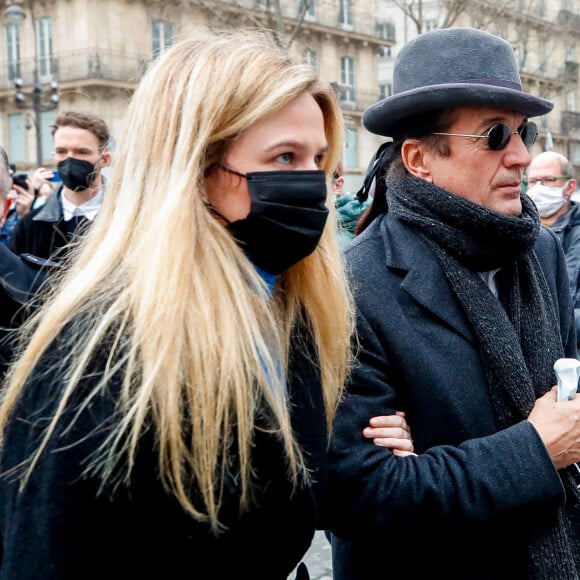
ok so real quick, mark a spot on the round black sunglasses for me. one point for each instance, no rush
(499, 135)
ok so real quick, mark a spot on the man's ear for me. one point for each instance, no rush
(415, 154)
(572, 184)
(339, 185)
(106, 157)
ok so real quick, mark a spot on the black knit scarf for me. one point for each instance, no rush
(518, 338)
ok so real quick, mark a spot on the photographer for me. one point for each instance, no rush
(18, 203)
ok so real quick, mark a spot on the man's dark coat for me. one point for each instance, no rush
(20, 280)
(463, 507)
(43, 232)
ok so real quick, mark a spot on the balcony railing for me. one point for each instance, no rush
(569, 121)
(561, 77)
(78, 65)
(571, 71)
(106, 67)
(569, 20)
(362, 20)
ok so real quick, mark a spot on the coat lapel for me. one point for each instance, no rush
(422, 277)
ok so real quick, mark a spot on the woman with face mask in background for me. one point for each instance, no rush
(171, 407)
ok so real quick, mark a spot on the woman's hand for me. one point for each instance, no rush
(391, 431)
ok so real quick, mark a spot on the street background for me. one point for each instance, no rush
(318, 559)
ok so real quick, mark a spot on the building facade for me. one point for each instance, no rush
(544, 35)
(87, 55)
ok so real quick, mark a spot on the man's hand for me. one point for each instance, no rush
(558, 424)
(24, 200)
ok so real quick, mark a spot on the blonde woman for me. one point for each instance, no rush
(169, 414)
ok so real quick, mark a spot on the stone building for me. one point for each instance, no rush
(544, 35)
(89, 54)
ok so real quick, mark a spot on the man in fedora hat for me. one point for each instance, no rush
(463, 308)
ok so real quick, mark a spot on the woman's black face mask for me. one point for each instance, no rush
(287, 217)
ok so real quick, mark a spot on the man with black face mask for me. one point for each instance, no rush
(80, 151)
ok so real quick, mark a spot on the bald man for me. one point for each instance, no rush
(550, 184)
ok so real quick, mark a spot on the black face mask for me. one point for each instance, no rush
(76, 174)
(286, 219)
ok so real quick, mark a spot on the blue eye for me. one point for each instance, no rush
(285, 158)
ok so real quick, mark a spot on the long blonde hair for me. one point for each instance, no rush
(164, 285)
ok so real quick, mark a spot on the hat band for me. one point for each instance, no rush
(491, 82)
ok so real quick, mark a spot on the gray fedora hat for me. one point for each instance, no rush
(452, 67)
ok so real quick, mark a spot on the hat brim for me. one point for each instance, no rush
(382, 117)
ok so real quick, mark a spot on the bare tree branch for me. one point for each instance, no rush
(305, 7)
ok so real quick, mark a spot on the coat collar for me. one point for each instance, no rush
(51, 211)
(422, 275)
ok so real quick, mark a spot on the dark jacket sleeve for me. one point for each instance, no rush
(569, 234)
(554, 264)
(18, 242)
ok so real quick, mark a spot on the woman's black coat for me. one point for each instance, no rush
(61, 527)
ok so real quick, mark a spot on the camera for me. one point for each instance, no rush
(20, 179)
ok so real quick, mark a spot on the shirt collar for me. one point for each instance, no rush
(489, 278)
(88, 209)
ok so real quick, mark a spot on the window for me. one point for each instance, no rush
(349, 150)
(387, 52)
(17, 130)
(22, 132)
(44, 36)
(310, 6)
(522, 53)
(162, 35)
(385, 30)
(543, 55)
(385, 90)
(541, 8)
(575, 153)
(311, 58)
(571, 52)
(47, 119)
(345, 14)
(571, 101)
(13, 51)
(429, 24)
(347, 79)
